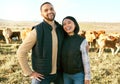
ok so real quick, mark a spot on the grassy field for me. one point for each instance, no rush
(104, 69)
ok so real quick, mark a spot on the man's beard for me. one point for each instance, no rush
(50, 18)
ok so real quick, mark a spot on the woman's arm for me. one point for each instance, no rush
(84, 47)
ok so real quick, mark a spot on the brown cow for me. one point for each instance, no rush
(16, 34)
(82, 33)
(11, 35)
(7, 32)
(91, 37)
(108, 41)
(2, 38)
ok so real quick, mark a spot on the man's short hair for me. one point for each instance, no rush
(44, 4)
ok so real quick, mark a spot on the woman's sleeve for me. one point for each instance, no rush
(84, 47)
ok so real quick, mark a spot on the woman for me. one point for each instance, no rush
(75, 59)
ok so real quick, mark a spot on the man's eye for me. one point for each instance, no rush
(46, 10)
(51, 9)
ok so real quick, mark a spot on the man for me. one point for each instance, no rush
(45, 40)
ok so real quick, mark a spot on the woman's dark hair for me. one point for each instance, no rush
(75, 22)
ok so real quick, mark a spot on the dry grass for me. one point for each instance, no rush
(10, 71)
(104, 69)
(108, 27)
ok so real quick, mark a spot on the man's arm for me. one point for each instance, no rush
(23, 50)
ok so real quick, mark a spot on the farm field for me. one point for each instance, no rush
(104, 69)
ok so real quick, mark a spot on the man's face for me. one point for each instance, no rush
(48, 13)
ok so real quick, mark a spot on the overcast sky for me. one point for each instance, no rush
(82, 10)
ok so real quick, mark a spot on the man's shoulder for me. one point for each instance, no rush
(57, 23)
(37, 25)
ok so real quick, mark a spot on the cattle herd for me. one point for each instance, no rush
(99, 40)
(7, 35)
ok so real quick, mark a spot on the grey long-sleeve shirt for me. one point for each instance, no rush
(85, 58)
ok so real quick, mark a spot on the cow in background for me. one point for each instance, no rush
(111, 42)
(24, 33)
(2, 38)
(16, 36)
(7, 33)
(11, 35)
(91, 36)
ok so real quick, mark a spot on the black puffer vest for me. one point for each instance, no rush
(42, 50)
(71, 55)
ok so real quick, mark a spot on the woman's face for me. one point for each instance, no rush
(68, 26)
